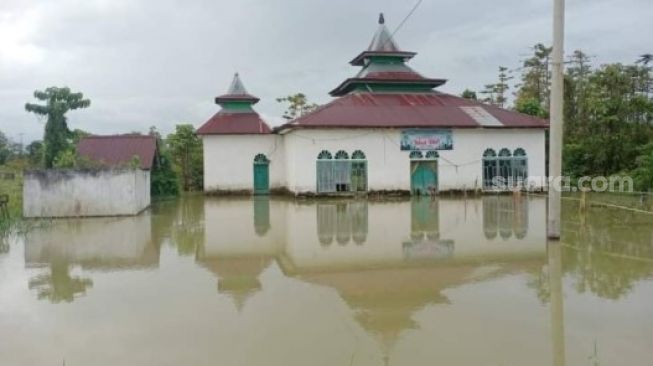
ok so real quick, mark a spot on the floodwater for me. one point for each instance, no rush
(205, 281)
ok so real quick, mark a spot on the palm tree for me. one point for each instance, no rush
(645, 59)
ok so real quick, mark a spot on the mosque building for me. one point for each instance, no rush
(388, 129)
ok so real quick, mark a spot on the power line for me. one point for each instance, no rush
(410, 13)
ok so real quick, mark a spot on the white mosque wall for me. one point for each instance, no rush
(229, 161)
(388, 167)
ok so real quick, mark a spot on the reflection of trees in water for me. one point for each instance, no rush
(344, 221)
(604, 251)
(609, 252)
(505, 216)
(181, 221)
(424, 219)
(59, 285)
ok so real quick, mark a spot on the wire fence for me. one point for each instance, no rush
(634, 201)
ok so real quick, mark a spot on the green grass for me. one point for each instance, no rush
(13, 188)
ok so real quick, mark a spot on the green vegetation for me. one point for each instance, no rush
(608, 112)
(163, 179)
(185, 149)
(11, 184)
(58, 139)
(298, 105)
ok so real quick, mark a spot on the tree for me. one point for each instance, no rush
(35, 153)
(497, 92)
(5, 148)
(575, 95)
(645, 59)
(185, 149)
(536, 77)
(298, 105)
(163, 180)
(58, 101)
(469, 94)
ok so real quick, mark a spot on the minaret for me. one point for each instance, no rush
(237, 99)
(236, 116)
(384, 68)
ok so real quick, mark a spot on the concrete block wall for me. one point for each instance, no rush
(79, 193)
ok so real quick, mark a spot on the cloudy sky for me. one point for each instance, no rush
(161, 62)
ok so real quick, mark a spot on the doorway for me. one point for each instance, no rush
(261, 175)
(424, 177)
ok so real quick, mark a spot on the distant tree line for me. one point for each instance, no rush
(608, 112)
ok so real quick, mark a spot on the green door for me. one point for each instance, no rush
(424, 177)
(358, 176)
(261, 178)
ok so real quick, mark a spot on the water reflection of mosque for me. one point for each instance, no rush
(385, 260)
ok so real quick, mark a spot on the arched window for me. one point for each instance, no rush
(358, 155)
(432, 155)
(341, 174)
(415, 155)
(505, 168)
(261, 159)
(342, 171)
(324, 155)
(519, 167)
(342, 155)
(490, 168)
(324, 173)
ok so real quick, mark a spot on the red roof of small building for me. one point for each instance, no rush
(408, 110)
(228, 123)
(119, 149)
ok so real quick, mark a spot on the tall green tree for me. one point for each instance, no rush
(185, 149)
(496, 93)
(298, 105)
(535, 79)
(57, 102)
(163, 179)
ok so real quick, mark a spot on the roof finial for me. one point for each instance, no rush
(381, 19)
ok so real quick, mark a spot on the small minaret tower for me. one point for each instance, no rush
(237, 115)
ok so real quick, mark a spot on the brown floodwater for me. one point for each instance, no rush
(207, 281)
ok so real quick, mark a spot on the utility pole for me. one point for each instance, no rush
(556, 120)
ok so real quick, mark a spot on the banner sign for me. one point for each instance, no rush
(432, 139)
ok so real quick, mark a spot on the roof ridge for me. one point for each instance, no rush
(117, 136)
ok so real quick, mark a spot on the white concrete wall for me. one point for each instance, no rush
(229, 161)
(389, 167)
(73, 193)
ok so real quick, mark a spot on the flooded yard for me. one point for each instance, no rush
(207, 281)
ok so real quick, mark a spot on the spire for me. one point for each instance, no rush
(236, 87)
(382, 41)
(384, 68)
(236, 95)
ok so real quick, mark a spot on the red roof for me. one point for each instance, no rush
(119, 149)
(232, 123)
(405, 110)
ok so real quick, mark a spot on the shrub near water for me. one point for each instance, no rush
(14, 189)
